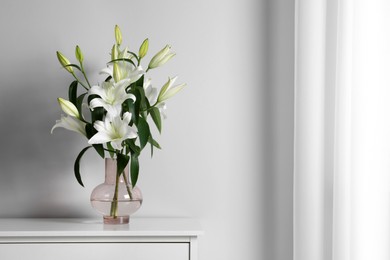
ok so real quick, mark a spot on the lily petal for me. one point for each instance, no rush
(100, 138)
(70, 123)
(114, 130)
(127, 117)
(117, 144)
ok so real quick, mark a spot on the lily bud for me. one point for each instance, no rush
(114, 52)
(118, 35)
(168, 90)
(143, 49)
(64, 62)
(68, 107)
(161, 57)
(117, 72)
(79, 54)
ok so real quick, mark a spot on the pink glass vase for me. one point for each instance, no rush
(116, 199)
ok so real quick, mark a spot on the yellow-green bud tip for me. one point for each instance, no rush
(64, 62)
(118, 35)
(143, 50)
(79, 54)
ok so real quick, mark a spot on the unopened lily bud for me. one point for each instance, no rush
(143, 49)
(168, 90)
(161, 57)
(68, 107)
(117, 72)
(79, 54)
(64, 62)
(118, 35)
(114, 52)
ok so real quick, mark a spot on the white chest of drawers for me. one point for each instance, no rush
(74, 239)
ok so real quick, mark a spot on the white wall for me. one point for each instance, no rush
(227, 142)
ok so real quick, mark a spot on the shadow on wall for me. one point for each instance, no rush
(30, 154)
(278, 128)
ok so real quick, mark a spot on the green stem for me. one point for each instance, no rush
(150, 108)
(127, 186)
(114, 203)
(110, 151)
(81, 83)
(85, 76)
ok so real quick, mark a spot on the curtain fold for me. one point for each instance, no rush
(309, 203)
(341, 220)
(342, 130)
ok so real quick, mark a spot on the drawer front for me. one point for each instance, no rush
(96, 251)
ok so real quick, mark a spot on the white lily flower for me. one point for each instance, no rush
(68, 107)
(168, 90)
(115, 131)
(162, 107)
(112, 95)
(150, 92)
(70, 123)
(123, 69)
(126, 70)
(151, 95)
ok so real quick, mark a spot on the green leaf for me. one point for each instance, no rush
(134, 110)
(99, 149)
(136, 107)
(156, 116)
(143, 104)
(153, 143)
(132, 53)
(73, 92)
(143, 132)
(151, 149)
(98, 112)
(122, 161)
(73, 65)
(133, 147)
(77, 165)
(140, 82)
(128, 106)
(123, 59)
(91, 131)
(109, 146)
(79, 103)
(134, 169)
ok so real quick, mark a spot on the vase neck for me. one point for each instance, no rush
(111, 168)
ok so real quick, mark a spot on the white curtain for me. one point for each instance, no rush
(342, 130)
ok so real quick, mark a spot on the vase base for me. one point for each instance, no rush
(116, 220)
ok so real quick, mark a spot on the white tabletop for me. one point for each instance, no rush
(76, 227)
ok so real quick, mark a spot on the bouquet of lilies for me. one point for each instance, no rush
(119, 107)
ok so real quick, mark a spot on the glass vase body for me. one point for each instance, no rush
(116, 199)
